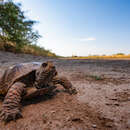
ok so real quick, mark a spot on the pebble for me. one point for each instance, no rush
(94, 126)
(117, 104)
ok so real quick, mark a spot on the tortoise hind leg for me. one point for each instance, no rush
(11, 106)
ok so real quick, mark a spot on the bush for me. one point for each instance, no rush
(15, 27)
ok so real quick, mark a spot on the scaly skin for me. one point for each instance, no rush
(33, 92)
(11, 105)
(11, 108)
(62, 80)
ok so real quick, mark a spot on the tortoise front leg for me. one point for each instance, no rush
(62, 80)
(11, 105)
(34, 92)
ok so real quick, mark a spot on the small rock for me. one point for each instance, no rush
(53, 112)
(128, 124)
(116, 104)
(94, 126)
(113, 99)
(76, 119)
(108, 104)
(44, 119)
(109, 124)
(128, 98)
(67, 109)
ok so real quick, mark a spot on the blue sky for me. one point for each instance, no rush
(81, 27)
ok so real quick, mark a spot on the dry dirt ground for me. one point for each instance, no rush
(102, 102)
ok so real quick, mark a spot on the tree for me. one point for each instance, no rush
(15, 26)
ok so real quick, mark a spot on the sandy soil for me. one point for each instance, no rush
(102, 102)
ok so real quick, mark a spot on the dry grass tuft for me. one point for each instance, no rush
(114, 56)
(34, 49)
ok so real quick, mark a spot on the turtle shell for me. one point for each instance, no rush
(16, 73)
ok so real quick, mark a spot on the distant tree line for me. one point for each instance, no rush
(14, 26)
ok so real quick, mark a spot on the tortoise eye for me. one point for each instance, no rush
(44, 64)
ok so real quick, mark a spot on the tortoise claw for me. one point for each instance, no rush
(72, 91)
(7, 116)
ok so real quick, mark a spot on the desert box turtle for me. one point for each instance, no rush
(17, 80)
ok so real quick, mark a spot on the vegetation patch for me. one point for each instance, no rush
(33, 49)
(114, 56)
(16, 31)
(94, 77)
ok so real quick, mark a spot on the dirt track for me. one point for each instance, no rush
(102, 102)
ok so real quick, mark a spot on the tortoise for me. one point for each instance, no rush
(26, 80)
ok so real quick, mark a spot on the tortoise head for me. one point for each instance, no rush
(44, 74)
